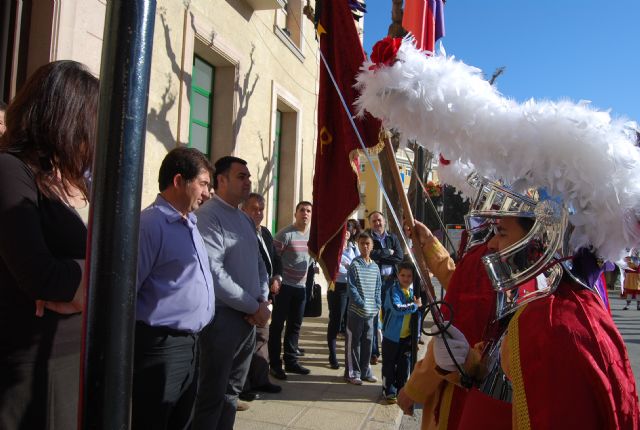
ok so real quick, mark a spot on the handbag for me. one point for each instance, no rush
(313, 305)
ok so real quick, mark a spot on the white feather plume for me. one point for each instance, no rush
(455, 174)
(574, 151)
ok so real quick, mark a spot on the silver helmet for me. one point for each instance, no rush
(536, 256)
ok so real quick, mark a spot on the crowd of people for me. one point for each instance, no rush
(215, 291)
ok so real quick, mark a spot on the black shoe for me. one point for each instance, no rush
(248, 396)
(296, 368)
(300, 352)
(278, 373)
(333, 362)
(269, 387)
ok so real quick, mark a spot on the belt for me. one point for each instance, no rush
(159, 330)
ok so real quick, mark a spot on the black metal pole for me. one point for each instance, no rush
(416, 318)
(117, 184)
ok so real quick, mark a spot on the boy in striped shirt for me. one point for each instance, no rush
(364, 285)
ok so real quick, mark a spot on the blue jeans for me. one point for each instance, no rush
(396, 362)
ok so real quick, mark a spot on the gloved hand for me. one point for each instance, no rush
(458, 345)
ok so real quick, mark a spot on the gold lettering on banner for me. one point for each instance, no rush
(320, 30)
(325, 138)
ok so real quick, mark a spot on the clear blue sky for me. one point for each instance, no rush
(552, 49)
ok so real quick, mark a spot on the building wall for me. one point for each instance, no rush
(265, 60)
(371, 196)
(257, 73)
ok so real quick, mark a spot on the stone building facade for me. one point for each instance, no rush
(230, 77)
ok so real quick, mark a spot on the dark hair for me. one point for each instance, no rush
(257, 197)
(406, 265)
(364, 235)
(526, 223)
(3, 106)
(353, 225)
(303, 203)
(183, 161)
(223, 165)
(52, 125)
(373, 213)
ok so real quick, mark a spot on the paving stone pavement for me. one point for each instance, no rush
(321, 400)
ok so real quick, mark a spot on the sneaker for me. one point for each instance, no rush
(626, 308)
(278, 373)
(371, 379)
(354, 381)
(242, 406)
(296, 368)
(391, 399)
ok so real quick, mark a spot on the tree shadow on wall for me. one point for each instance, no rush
(244, 95)
(265, 179)
(157, 123)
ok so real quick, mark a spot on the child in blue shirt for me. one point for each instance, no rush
(399, 304)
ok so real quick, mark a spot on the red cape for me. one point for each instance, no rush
(569, 365)
(473, 301)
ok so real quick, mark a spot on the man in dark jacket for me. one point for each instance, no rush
(258, 378)
(387, 253)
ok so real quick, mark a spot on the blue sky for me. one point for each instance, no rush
(562, 49)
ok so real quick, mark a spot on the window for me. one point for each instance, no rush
(293, 27)
(288, 26)
(201, 105)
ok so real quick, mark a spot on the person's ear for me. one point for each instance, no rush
(177, 180)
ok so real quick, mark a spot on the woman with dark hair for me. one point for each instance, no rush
(337, 297)
(354, 228)
(44, 155)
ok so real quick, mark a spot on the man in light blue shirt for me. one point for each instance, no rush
(240, 281)
(175, 295)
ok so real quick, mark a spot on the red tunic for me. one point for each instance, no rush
(473, 300)
(569, 365)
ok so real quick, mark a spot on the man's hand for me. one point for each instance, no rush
(417, 301)
(405, 402)
(261, 317)
(276, 283)
(424, 235)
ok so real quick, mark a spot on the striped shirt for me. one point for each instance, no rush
(291, 246)
(364, 284)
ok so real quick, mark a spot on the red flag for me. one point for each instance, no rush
(425, 20)
(335, 182)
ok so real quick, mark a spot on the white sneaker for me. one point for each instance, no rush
(371, 379)
(354, 381)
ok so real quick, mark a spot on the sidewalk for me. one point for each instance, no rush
(321, 400)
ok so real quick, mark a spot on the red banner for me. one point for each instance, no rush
(335, 181)
(425, 20)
